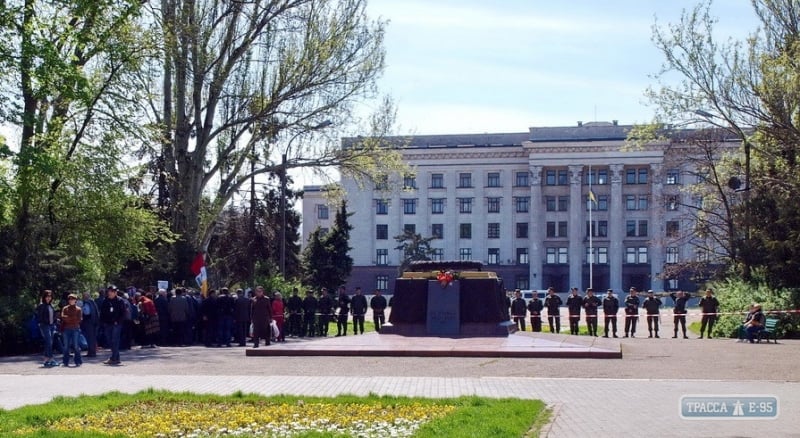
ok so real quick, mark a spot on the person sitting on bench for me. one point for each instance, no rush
(756, 323)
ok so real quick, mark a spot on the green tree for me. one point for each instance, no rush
(316, 261)
(326, 262)
(414, 247)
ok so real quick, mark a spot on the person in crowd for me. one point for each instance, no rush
(210, 316)
(507, 306)
(574, 305)
(241, 317)
(226, 307)
(278, 316)
(610, 309)
(535, 306)
(148, 319)
(71, 316)
(179, 318)
(194, 321)
(89, 323)
(112, 316)
(756, 323)
(162, 308)
(294, 307)
(310, 314)
(358, 307)
(679, 312)
(651, 305)
(553, 302)
(325, 311)
(262, 317)
(590, 304)
(710, 306)
(519, 310)
(631, 312)
(378, 306)
(47, 317)
(343, 304)
(128, 327)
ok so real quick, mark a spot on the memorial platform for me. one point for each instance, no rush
(520, 345)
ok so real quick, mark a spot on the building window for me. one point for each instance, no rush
(381, 182)
(598, 228)
(550, 177)
(381, 206)
(562, 256)
(630, 176)
(437, 255)
(522, 256)
(630, 202)
(437, 205)
(557, 229)
(493, 230)
(522, 203)
(493, 205)
(636, 255)
(382, 232)
(701, 255)
(381, 257)
(465, 231)
(672, 254)
(550, 257)
(437, 181)
(673, 177)
(464, 180)
(522, 282)
(597, 255)
(465, 254)
(643, 202)
(521, 179)
(322, 211)
(409, 206)
(672, 284)
(634, 229)
(563, 203)
(382, 283)
(437, 231)
(642, 176)
(522, 230)
(494, 256)
(672, 203)
(602, 203)
(642, 228)
(556, 256)
(596, 177)
(493, 179)
(550, 203)
(465, 205)
(551, 229)
(673, 228)
(410, 228)
(563, 177)
(409, 182)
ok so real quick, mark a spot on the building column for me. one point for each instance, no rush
(575, 231)
(535, 229)
(657, 210)
(616, 228)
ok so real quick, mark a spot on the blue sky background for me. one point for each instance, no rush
(471, 66)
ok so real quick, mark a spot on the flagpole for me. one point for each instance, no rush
(591, 229)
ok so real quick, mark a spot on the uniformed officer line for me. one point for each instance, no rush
(652, 314)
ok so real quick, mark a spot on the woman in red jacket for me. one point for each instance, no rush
(277, 315)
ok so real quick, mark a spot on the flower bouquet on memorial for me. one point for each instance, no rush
(446, 277)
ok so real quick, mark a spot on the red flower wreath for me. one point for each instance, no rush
(444, 278)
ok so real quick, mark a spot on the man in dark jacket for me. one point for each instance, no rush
(325, 307)
(553, 302)
(358, 307)
(651, 305)
(631, 312)
(519, 308)
(241, 317)
(535, 306)
(162, 308)
(226, 306)
(378, 306)
(309, 314)
(710, 306)
(90, 323)
(209, 314)
(679, 312)
(610, 309)
(574, 305)
(112, 316)
(294, 305)
(591, 303)
(261, 315)
(343, 304)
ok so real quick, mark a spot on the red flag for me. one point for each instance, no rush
(198, 263)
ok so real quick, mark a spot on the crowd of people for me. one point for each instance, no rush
(117, 320)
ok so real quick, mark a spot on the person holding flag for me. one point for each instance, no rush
(199, 271)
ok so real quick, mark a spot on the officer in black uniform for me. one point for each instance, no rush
(343, 303)
(518, 310)
(553, 302)
(295, 307)
(309, 314)
(651, 305)
(610, 309)
(679, 312)
(574, 305)
(591, 303)
(324, 312)
(710, 306)
(358, 307)
(378, 306)
(535, 306)
(631, 312)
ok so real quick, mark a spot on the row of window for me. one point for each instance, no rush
(552, 177)
(633, 228)
(553, 255)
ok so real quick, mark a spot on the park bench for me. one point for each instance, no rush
(770, 329)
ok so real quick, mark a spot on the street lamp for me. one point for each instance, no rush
(282, 260)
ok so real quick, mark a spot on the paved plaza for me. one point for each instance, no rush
(634, 396)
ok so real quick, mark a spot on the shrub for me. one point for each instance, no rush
(736, 296)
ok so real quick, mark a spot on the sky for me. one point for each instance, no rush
(476, 66)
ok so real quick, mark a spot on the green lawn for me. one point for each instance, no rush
(157, 413)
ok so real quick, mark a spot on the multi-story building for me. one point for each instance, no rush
(521, 204)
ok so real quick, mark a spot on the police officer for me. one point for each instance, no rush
(295, 307)
(378, 306)
(710, 306)
(518, 310)
(324, 311)
(631, 312)
(343, 303)
(610, 309)
(591, 303)
(574, 305)
(651, 305)
(679, 312)
(535, 306)
(358, 307)
(309, 314)
(553, 302)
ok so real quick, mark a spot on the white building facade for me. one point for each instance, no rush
(521, 204)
